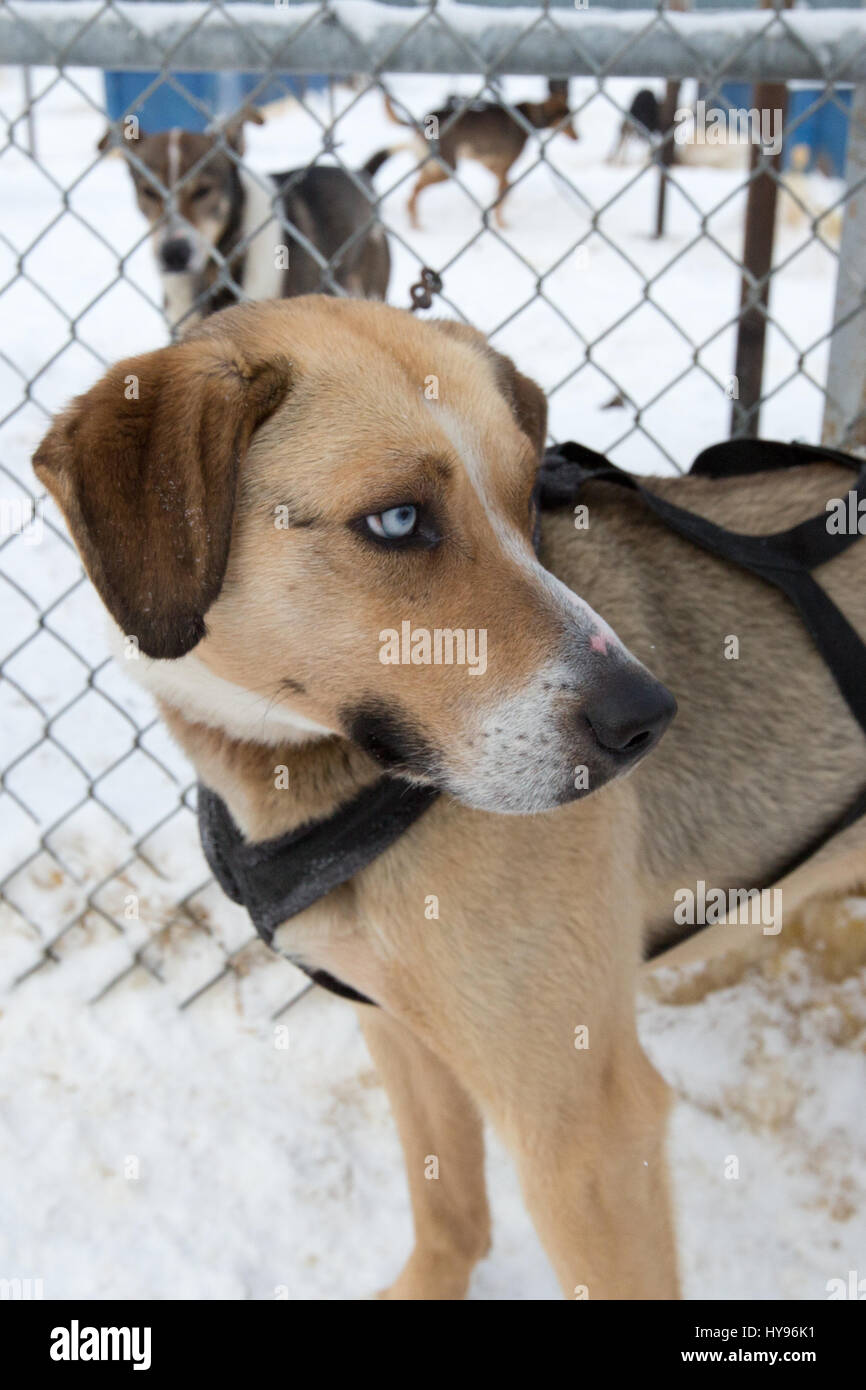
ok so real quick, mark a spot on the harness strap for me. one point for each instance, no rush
(276, 879)
(784, 558)
(734, 458)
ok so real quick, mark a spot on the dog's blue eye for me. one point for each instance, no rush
(395, 524)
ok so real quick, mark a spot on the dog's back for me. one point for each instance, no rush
(332, 212)
(487, 130)
(483, 131)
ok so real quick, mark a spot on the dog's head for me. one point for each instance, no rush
(186, 184)
(328, 504)
(554, 110)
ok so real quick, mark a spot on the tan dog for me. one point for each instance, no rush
(483, 131)
(265, 642)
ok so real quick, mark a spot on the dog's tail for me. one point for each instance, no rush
(375, 162)
(392, 114)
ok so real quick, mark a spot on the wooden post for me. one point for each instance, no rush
(667, 149)
(757, 264)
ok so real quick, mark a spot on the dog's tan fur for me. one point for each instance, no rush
(319, 405)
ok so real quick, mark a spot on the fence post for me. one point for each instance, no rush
(845, 402)
(667, 149)
(757, 263)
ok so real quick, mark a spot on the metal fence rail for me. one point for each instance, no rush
(343, 37)
(98, 842)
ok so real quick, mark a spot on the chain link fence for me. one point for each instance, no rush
(706, 277)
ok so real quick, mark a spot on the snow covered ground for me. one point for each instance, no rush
(152, 1152)
(157, 1154)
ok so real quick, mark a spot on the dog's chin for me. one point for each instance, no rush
(537, 791)
(189, 272)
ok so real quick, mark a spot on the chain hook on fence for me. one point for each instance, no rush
(423, 290)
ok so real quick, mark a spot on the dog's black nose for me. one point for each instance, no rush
(630, 713)
(176, 254)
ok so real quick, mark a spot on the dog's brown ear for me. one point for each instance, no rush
(233, 130)
(111, 140)
(145, 468)
(526, 398)
(116, 138)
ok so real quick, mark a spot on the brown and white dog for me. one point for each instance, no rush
(262, 644)
(484, 131)
(262, 226)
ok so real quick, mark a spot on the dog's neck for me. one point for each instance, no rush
(272, 789)
(542, 114)
(274, 767)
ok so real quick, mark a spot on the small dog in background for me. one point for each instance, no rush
(216, 205)
(642, 121)
(809, 199)
(483, 131)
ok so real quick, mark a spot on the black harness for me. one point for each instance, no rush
(276, 879)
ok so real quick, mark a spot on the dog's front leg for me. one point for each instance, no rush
(538, 1023)
(592, 1164)
(441, 1133)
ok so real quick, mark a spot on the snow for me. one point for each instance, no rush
(156, 1154)
(149, 1151)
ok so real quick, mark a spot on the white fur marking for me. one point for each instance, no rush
(201, 695)
(262, 278)
(515, 545)
(506, 768)
(178, 297)
(173, 157)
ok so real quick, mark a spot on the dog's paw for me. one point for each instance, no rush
(429, 1278)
